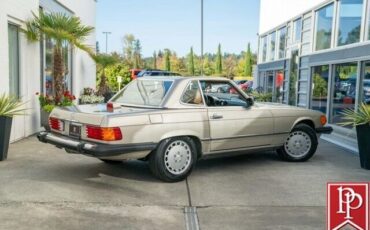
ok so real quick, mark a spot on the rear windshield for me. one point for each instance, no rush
(144, 92)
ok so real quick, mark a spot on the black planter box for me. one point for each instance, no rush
(363, 139)
(5, 127)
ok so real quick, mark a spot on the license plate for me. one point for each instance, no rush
(75, 130)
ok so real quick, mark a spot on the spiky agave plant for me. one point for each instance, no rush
(10, 106)
(61, 28)
(354, 118)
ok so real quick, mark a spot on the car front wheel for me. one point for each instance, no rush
(300, 145)
(173, 159)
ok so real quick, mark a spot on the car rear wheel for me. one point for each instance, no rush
(300, 145)
(174, 159)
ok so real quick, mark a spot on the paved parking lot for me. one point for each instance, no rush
(45, 188)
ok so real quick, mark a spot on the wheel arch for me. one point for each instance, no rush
(186, 133)
(304, 120)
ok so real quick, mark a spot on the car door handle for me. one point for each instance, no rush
(217, 116)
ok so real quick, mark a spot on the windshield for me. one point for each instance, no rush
(144, 93)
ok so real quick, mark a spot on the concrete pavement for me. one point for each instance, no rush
(43, 187)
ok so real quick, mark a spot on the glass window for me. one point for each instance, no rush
(297, 31)
(320, 83)
(324, 26)
(192, 94)
(350, 14)
(366, 84)
(269, 81)
(279, 84)
(344, 95)
(272, 46)
(264, 48)
(282, 42)
(293, 78)
(13, 36)
(144, 92)
(49, 63)
(218, 93)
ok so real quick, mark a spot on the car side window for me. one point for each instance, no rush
(192, 94)
(221, 93)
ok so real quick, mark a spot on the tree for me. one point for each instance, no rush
(191, 67)
(61, 28)
(137, 54)
(154, 60)
(128, 47)
(207, 67)
(248, 62)
(230, 65)
(167, 61)
(219, 60)
(103, 61)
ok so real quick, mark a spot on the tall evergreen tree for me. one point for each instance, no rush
(248, 62)
(167, 61)
(137, 54)
(219, 60)
(191, 67)
(154, 60)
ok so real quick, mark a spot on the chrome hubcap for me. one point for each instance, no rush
(298, 144)
(177, 157)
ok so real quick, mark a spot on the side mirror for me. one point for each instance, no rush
(249, 101)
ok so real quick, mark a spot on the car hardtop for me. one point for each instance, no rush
(181, 78)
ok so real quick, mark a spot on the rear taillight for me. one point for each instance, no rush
(56, 124)
(110, 107)
(104, 134)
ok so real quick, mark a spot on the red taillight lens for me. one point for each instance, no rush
(104, 134)
(56, 124)
(110, 107)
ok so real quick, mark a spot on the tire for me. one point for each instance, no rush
(301, 144)
(173, 159)
(111, 162)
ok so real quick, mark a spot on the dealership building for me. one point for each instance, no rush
(316, 54)
(26, 68)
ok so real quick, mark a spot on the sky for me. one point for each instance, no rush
(175, 24)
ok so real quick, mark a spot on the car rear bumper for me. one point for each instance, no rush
(324, 130)
(93, 149)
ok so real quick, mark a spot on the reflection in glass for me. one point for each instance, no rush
(272, 45)
(320, 83)
(293, 77)
(324, 25)
(344, 95)
(279, 84)
(264, 48)
(270, 81)
(282, 42)
(366, 84)
(13, 38)
(297, 30)
(350, 14)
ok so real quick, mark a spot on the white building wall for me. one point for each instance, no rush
(276, 12)
(17, 12)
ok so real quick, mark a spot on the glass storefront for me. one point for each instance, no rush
(279, 86)
(264, 48)
(324, 26)
(293, 78)
(344, 91)
(350, 15)
(320, 88)
(366, 84)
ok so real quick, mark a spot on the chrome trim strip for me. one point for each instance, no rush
(242, 136)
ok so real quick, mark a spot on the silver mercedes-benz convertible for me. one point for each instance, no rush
(173, 121)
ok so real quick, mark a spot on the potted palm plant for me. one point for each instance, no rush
(9, 107)
(61, 28)
(361, 120)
